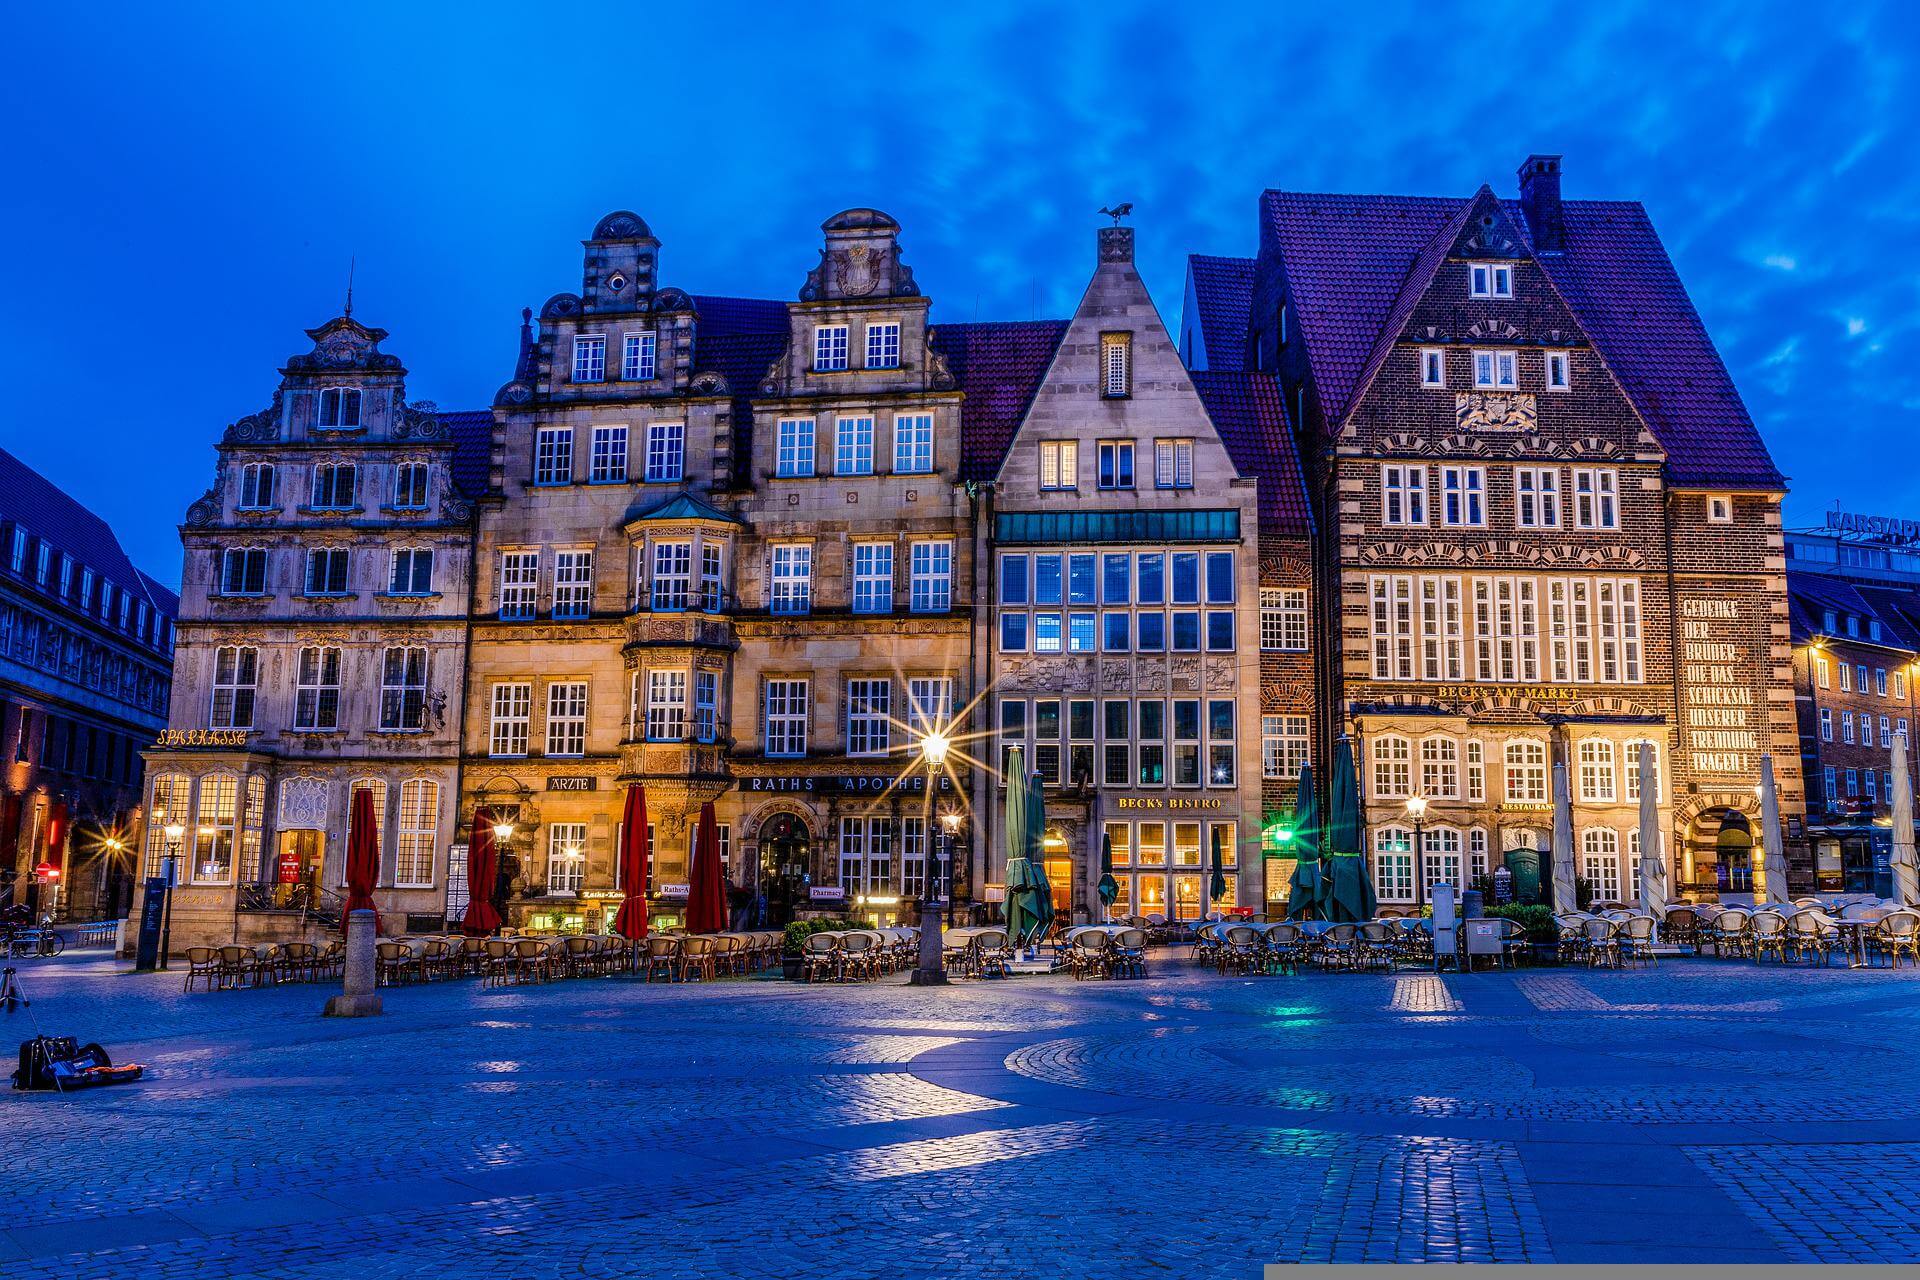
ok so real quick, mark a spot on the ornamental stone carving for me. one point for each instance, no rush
(255, 428)
(1219, 673)
(1478, 411)
(1186, 674)
(303, 804)
(513, 393)
(1116, 677)
(561, 305)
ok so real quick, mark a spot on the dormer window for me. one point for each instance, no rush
(883, 346)
(339, 409)
(829, 348)
(256, 486)
(1559, 371)
(1490, 280)
(1116, 365)
(1494, 370)
(1433, 367)
(636, 361)
(590, 357)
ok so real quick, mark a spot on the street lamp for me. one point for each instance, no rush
(934, 745)
(1417, 810)
(950, 823)
(170, 872)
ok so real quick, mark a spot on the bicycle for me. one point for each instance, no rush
(42, 941)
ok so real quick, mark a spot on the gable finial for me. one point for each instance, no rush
(349, 309)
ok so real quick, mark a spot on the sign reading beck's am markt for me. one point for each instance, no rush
(1719, 705)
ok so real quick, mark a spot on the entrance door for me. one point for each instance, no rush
(786, 852)
(296, 868)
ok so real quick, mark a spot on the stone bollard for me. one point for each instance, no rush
(932, 949)
(357, 998)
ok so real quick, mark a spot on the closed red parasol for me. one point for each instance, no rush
(706, 893)
(634, 854)
(363, 858)
(483, 867)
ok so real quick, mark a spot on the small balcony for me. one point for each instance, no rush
(647, 628)
(684, 761)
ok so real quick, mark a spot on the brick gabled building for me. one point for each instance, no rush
(1549, 530)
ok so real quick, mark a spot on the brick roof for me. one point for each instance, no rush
(719, 316)
(1249, 411)
(1223, 295)
(51, 513)
(1349, 259)
(999, 365)
(472, 449)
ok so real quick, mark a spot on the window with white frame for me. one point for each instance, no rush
(1393, 628)
(792, 578)
(553, 455)
(931, 577)
(339, 409)
(1463, 496)
(1403, 495)
(243, 571)
(666, 452)
(1442, 629)
(853, 447)
(334, 485)
(1559, 371)
(866, 855)
(666, 706)
(872, 577)
(1846, 726)
(706, 705)
(1595, 499)
(256, 494)
(1393, 864)
(829, 348)
(1283, 746)
(912, 443)
(1476, 772)
(1826, 724)
(327, 571)
(410, 485)
(1494, 370)
(1536, 498)
(784, 713)
(795, 454)
(567, 718)
(883, 345)
(419, 827)
(1116, 365)
(1489, 280)
(519, 584)
(913, 860)
(1719, 509)
(1173, 464)
(1477, 855)
(1600, 862)
(316, 689)
(672, 576)
(712, 577)
(1283, 618)
(590, 357)
(1439, 859)
(1433, 367)
(1526, 771)
(511, 715)
(1059, 464)
(213, 831)
(410, 572)
(573, 583)
(1846, 678)
(869, 717)
(566, 858)
(929, 705)
(1439, 768)
(1597, 771)
(403, 688)
(608, 465)
(170, 800)
(236, 676)
(1899, 681)
(637, 357)
(1392, 767)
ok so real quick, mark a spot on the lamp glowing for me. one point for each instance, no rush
(174, 830)
(1417, 808)
(934, 748)
(503, 831)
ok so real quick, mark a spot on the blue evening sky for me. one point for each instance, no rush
(186, 182)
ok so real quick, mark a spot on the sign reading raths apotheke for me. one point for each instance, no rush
(1718, 708)
(202, 738)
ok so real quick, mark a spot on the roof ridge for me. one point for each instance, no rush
(1420, 275)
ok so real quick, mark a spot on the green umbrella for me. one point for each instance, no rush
(1109, 888)
(1308, 883)
(1021, 917)
(1036, 841)
(1217, 883)
(1350, 895)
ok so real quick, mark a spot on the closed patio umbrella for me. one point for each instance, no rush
(1566, 893)
(1904, 864)
(1309, 880)
(363, 858)
(631, 921)
(1349, 893)
(483, 867)
(706, 896)
(1013, 835)
(1036, 844)
(1217, 881)
(1773, 859)
(1109, 888)
(1653, 870)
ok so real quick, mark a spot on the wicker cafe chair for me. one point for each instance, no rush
(499, 961)
(298, 961)
(1682, 927)
(1811, 935)
(1600, 942)
(993, 953)
(1339, 947)
(699, 956)
(1768, 933)
(239, 966)
(1895, 935)
(1087, 956)
(1514, 947)
(820, 956)
(860, 955)
(1633, 940)
(1239, 950)
(661, 955)
(1732, 933)
(1128, 955)
(1375, 944)
(395, 962)
(531, 960)
(203, 965)
(1571, 938)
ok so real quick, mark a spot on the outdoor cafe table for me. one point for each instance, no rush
(1853, 940)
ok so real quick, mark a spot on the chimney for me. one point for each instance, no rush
(1540, 201)
(1116, 244)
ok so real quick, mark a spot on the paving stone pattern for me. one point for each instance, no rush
(1188, 1124)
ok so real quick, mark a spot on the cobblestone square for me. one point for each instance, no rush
(1187, 1124)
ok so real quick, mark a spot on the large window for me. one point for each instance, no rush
(853, 447)
(1283, 746)
(608, 464)
(1600, 863)
(316, 697)
(243, 571)
(883, 345)
(1392, 767)
(519, 584)
(666, 706)
(1116, 464)
(1283, 618)
(419, 827)
(872, 577)
(566, 858)
(256, 494)
(929, 704)
(327, 571)
(932, 577)
(339, 409)
(403, 687)
(410, 485)
(866, 855)
(573, 583)
(1403, 495)
(1596, 499)
(214, 825)
(1526, 772)
(553, 455)
(1596, 771)
(869, 717)
(1393, 864)
(333, 485)
(913, 443)
(512, 713)
(236, 675)
(830, 348)
(666, 452)
(1439, 768)
(411, 572)
(672, 576)
(567, 718)
(792, 565)
(1536, 498)
(1591, 625)
(785, 716)
(168, 806)
(590, 357)
(1463, 496)
(795, 447)
(637, 357)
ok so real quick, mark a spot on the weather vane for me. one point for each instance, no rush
(1119, 211)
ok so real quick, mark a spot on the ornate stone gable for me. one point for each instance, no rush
(343, 344)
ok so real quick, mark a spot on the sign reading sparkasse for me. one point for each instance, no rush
(202, 737)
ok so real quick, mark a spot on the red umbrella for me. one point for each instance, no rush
(363, 858)
(632, 921)
(483, 868)
(706, 897)
(56, 836)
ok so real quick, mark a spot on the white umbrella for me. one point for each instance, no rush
(1773, 858)
(1906, 876)
(1566, 896)
(1653, 872)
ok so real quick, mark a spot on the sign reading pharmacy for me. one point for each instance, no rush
(1718, 711)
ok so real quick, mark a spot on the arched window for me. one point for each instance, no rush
(1393, 864)
(377, 788)
(253, 821)
(214, 820)
(1392, 767)
(333, 485)
(169, 806)
(256, 486)
(1526, 771)
(339, 409)
(1600, 862)
(413, 849)
(1596, 771)
(1439, 768)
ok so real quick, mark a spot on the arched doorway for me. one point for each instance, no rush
(786, 849)
(1733, 849)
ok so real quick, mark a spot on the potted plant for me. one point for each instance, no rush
(797, 933)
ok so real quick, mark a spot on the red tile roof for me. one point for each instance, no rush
(1223, 295)
(999, 366)
(1249, 411)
